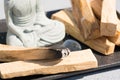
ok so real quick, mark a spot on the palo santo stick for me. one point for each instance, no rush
(85, 19)
(97, 7)
(11, 53)
(102, 44)
(109, 18)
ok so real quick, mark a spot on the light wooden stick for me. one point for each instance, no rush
(85, 19)
(97, 7)
(109, 18)
(11, 53)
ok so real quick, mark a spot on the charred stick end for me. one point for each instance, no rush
(61, 52)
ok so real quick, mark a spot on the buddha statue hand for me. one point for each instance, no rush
(28, 40)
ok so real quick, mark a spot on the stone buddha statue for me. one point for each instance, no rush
(28, 25)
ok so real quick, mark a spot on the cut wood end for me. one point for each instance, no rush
(108, 29)
(102, 45)
(111, 47)
(115, 39)
(62, 14)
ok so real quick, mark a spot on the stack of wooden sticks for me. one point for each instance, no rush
(93, 22)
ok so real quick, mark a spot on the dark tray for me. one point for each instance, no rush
(104, 62)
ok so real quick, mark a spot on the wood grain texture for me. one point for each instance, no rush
(109, 19)
(102, 44)
(85, 19)
(116, 39)
(97, 7)
(76, 61)
(11, 53)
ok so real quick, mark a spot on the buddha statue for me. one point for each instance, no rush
(28, 25)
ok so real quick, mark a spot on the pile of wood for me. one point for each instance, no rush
(92, 22)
